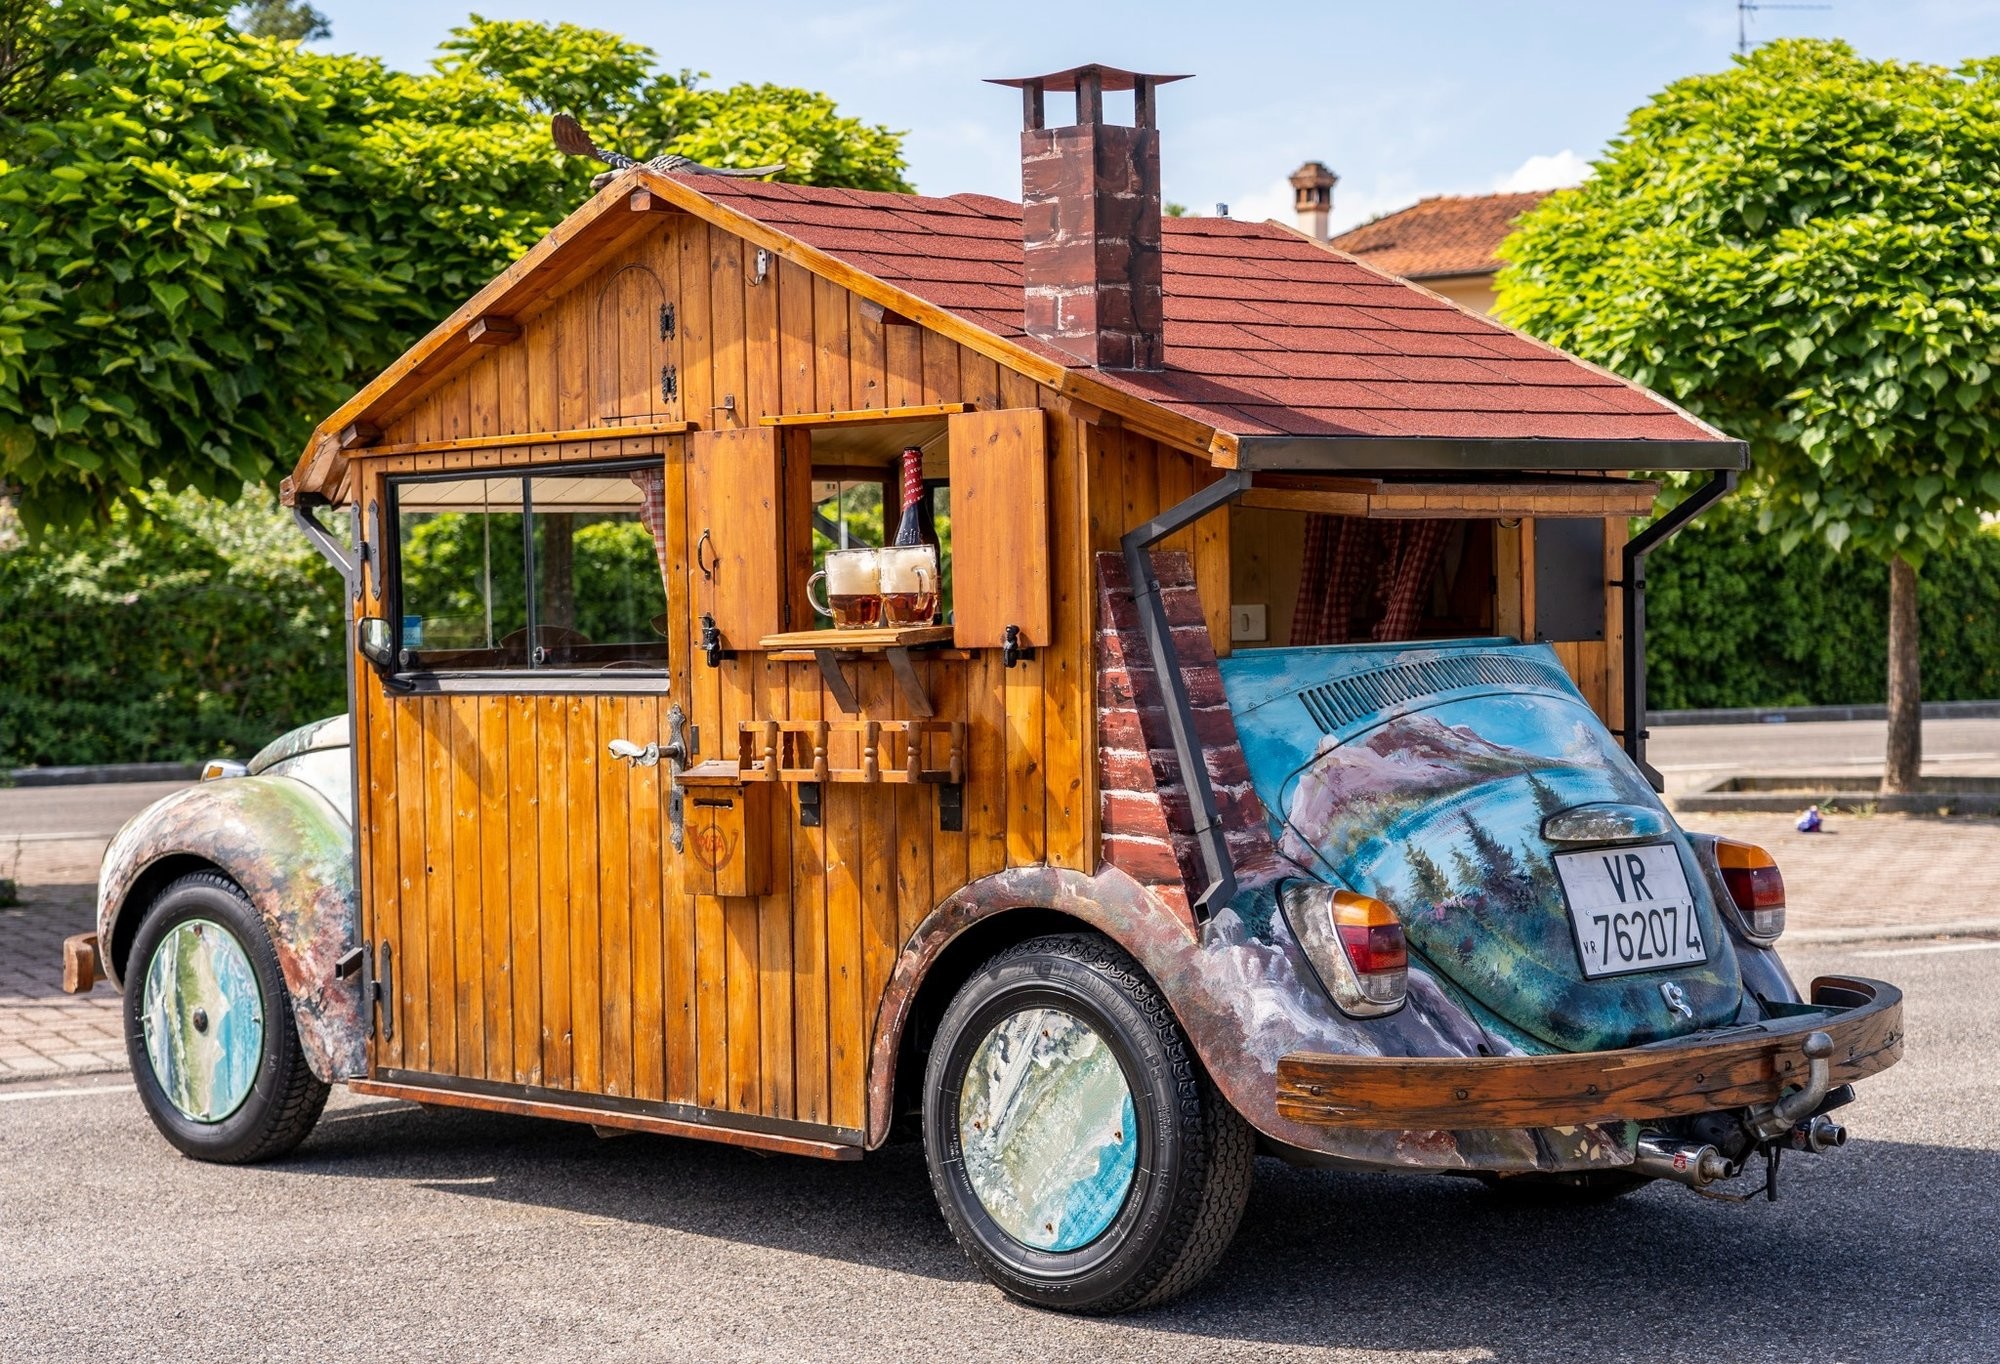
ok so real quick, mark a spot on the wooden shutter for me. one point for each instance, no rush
(999, 527)
(735, 500)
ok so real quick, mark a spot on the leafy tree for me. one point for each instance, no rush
(1426, 879)
(287, 20)
(1802, 250)
(208, 239)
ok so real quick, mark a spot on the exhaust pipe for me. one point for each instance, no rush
(1820, 1134)
(1695, 1164)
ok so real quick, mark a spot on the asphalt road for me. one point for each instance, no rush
(80, 812)
(400, 1234)
(1689, 754)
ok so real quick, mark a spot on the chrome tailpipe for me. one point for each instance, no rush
(1693, 1163)
(1816, 1135)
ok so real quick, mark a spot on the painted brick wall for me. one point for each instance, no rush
(1148, 820)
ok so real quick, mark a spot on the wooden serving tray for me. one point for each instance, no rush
(852, 641)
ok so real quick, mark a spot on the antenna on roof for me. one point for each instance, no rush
(1746, 8)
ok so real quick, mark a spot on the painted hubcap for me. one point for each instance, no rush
(204, 1020)
(1047, 1129)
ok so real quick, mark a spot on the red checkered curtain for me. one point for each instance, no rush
(1411, 552)
(1331, 578)
(652, 485)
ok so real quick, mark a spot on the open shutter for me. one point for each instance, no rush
(735, 523)
(999, 527)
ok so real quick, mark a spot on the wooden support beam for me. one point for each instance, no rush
(645, 201)
(358, 435)
(870, 416)
(570, 437)
(490, 329)
(888, 317)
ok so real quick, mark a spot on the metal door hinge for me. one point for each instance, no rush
(666, 321)
(808, 805)
(669, 383)
(378, 986)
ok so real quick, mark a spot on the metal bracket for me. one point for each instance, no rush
(1633, 604)
(951, 808)
(1153, 624)
(836, 681)
(808, 805)
(384, 991)
(675, 751)
(666, 321)
(670, 383)
(711, 643)
(1012, 651)
(328, 546)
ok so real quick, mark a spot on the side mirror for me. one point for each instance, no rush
(376, 640)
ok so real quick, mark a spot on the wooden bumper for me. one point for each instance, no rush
(79, 963)
(1700, 1075)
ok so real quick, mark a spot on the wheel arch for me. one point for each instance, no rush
(292, 856)
(985, 917)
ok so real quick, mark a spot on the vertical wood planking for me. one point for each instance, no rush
(903, 359)
(468, 929)
(811, 1008)
(868, 374)
(832, 369)
(648, 814)
(496, 871)
(774, 930)
(762, 392)
(941, 379)
(412, 961)
(795, 338)
(552, 734)
(614, 900)
(1069, 714)
(879, 884)
(524, 800)
(727, 287)
(697, 381)
(1617, 529)
(437, 855)
(580, 757)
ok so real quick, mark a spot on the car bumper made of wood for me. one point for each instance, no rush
(1720, 1069)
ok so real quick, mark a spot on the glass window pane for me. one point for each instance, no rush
(463, 590)
(600, 599)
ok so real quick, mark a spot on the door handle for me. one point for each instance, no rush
(675, 751)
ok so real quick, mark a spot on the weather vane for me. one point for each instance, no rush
(1746, 8)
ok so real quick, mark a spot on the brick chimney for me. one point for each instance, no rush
(1312, 197)
(1090, 219)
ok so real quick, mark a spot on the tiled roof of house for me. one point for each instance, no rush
(1267, 332)
(1452, 234)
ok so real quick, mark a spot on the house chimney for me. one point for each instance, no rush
(1312, 198)
(1090, 219)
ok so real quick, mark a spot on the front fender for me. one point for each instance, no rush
(293, 855)
(1246, 996)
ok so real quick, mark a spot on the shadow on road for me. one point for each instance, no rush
(1883, 1250)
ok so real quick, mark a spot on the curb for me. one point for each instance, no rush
(104, 774)
(1957, 928)
(1777, 715)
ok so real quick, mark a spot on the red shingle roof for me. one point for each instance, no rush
(1267, 333)
(1451, 234)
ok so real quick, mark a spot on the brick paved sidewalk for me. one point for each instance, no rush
(1889, 874)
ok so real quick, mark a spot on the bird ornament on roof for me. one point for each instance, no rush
(573, 140)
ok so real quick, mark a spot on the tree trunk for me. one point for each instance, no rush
(1904, 760)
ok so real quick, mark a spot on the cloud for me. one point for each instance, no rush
(1559, 171)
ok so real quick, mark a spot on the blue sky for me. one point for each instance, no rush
(1402, 98)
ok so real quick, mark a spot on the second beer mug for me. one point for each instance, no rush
(909, 585)
(853, 589)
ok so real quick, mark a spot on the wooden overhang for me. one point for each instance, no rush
(611, 219)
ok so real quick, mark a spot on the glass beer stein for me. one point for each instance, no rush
(853, 589)
(909, 585)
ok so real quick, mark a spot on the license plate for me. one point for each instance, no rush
(1631, 910)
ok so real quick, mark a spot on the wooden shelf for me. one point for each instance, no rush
(867, 415)
(828, 647)
(859, 641)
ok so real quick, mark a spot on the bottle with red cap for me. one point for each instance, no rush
(910, 565)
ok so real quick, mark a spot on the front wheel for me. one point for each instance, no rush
(208, 1026)
(1082, 1157)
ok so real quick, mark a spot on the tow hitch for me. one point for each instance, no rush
(1793, 1122)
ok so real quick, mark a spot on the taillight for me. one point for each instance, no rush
(1357, 943)
(1756, 887)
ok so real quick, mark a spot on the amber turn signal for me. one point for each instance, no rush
(1372, 937)
(1756, 887)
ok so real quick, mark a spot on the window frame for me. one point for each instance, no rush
(529, 680)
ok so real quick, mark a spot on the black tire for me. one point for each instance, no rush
(1575, 1190)
(285, 1097)
(1195, 1154)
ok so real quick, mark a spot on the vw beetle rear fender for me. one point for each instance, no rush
(293, 855)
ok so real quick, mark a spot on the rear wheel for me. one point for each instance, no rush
(1083, 1159)
(208, 1026)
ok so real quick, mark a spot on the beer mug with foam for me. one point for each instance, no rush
(909, 584)
(853, 589)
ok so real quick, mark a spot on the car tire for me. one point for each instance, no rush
(1135, 1204)
(209, 1028)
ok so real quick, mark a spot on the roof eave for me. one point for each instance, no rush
(1394, 454)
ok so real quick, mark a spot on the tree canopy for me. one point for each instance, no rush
(207, 239)
(1801, 250)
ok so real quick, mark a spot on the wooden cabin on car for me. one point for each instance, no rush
(641, 843)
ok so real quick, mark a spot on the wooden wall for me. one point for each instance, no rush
(542, 933)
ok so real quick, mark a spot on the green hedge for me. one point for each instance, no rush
(1731, 620)
(184, 629)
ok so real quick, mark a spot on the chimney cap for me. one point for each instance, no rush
(1110, 78)
(1314, 175)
